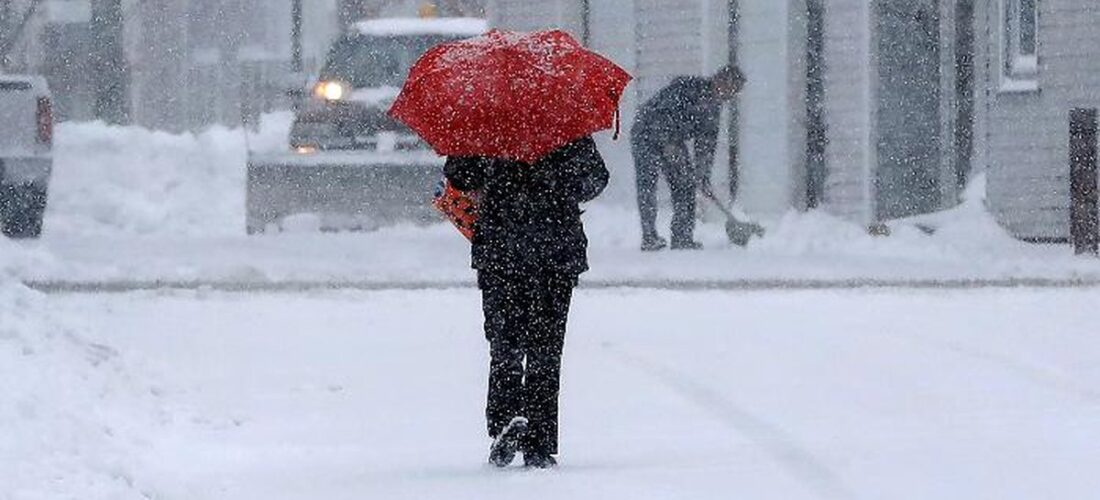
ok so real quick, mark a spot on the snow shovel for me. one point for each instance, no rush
(738, 231)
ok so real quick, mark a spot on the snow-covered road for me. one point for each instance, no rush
(786, 395)
(729, 387)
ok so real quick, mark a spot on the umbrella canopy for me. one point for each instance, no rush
(510, 95)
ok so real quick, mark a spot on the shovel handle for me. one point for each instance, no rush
(708, 194)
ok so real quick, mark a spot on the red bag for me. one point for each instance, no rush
(459, 207)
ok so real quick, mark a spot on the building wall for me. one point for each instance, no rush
(26, 49)
(669, 42)
(678, 37)
(772, 112)
(159, 54)
(849, 95)
(531, 15)
(889, 108)
(1024, 136)
(197, 63)
(612, 34)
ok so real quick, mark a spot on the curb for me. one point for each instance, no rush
(91, 287)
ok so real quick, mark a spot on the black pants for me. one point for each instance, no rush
(652, 159)
(525, 318)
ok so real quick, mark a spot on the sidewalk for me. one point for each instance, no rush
(800, 251)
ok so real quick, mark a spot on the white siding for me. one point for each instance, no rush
(772, 110)
(158, 74)
(612, 34)
(848, 109)
(679, 37)
(1025, 137)
(669, 42)
(715, 29)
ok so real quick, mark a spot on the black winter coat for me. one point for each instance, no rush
(686, 110)
(529, 218)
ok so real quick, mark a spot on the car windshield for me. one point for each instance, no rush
(371, 61)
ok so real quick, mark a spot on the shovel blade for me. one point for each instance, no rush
(740, 233)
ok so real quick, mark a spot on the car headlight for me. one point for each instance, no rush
(330, 91)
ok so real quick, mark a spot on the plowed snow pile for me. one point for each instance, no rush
(76, 419)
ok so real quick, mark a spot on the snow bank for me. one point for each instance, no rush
(132, 180)
(965, 230)
(75, 419)
(970, 225)
(17, 260)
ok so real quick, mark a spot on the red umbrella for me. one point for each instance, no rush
(510, 95)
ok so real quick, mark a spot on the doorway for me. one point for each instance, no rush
(907, 179)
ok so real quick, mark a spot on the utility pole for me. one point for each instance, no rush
(110, 73)
(296, 65)
(5, 29)
(586, 22)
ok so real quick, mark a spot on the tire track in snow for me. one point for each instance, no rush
(782, 447)
(1036, 374)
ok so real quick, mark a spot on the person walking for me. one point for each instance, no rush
(529, 247)
(514, 114)
(687, 110)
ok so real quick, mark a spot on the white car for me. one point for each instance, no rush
(26, 144)
(349, 165)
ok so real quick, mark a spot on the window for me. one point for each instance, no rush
(1019, 44)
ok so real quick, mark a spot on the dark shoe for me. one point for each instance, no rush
(687, 245)
(539, 460)
(653, 243)
(504, 447)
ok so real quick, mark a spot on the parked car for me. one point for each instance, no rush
(348, 163)
(26, 160)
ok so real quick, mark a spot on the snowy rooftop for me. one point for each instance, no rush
(414, 26)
